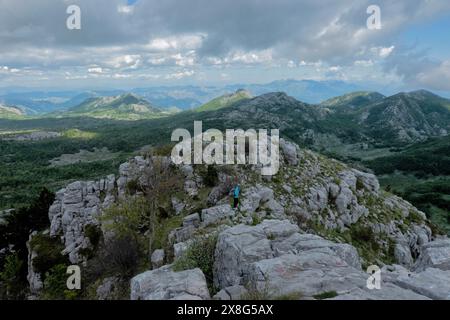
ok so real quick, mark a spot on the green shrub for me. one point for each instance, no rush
(133, 186)
(48, 253)
(10, 276)
(359, 184)
(129, 218)
(210, 178)
(94, 234)
(362, 234)
(122, 255)
(326, 295)
(199, 255)
(55, 284)
(255, 219)
(290, 296)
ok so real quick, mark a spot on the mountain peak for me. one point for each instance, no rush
(353, 100)
(225, 100)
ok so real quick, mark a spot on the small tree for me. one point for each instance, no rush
(10, 276)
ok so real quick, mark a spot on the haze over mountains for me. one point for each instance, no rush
(123, 107)
(183, 97)
(357, 116)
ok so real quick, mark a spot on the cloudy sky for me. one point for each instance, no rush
(124, 44)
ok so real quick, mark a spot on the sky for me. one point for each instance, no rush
(139, 43)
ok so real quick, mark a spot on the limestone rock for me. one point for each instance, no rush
(238, 247)
(34, 278)
(289, 150)
(231, 293)
(106, 290)
(157, 258)
(434, 254)
(215, 214)
(165, 284)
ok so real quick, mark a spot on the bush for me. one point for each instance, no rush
(199, 255)
(10, 276)
(362, 234)
(121, 255)
(128, 218)
(326, 295)
(55, 284)
(48, 253)
(210, 178)
(93, 233)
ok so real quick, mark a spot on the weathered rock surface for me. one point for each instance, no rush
(231, 293)
(238, 247)
(157, 258)
(75, 207)
(215, 214)
(434, 254)
(165, 284)
(34, 278)
(106, 290)
(274, 258)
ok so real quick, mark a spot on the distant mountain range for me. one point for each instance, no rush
(182, 97)
(123, 107)
(11, 112)
(360, 116)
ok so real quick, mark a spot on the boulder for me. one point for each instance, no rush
(192, 220)
(307, 274)
(289, 150)
(106, 290)
(213, 215)
(157, 258)
(432, 283)
(240, 246)
(435, 254)
(388, 291)
(177, 205)
(166, 284)
(231, 293)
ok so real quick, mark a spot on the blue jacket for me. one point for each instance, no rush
(237, 189)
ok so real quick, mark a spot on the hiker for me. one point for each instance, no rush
(236, 191)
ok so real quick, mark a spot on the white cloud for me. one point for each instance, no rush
(131, 61)
(385, 52)
(180, 75)
(95, 70)
(125, 9)
(437, 77)
(183, 42)
(364, 63)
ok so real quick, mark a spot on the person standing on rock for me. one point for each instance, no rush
(236, 192)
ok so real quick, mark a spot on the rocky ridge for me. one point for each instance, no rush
(311, 229)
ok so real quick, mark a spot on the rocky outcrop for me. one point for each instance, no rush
(289, 237)
(107, 290)
(157, 258)
(275, 260)
(216, 214)
(34, 278)
(240, 246)
(434, 254)
(77, 206)
(261, 198)
(165, 284)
